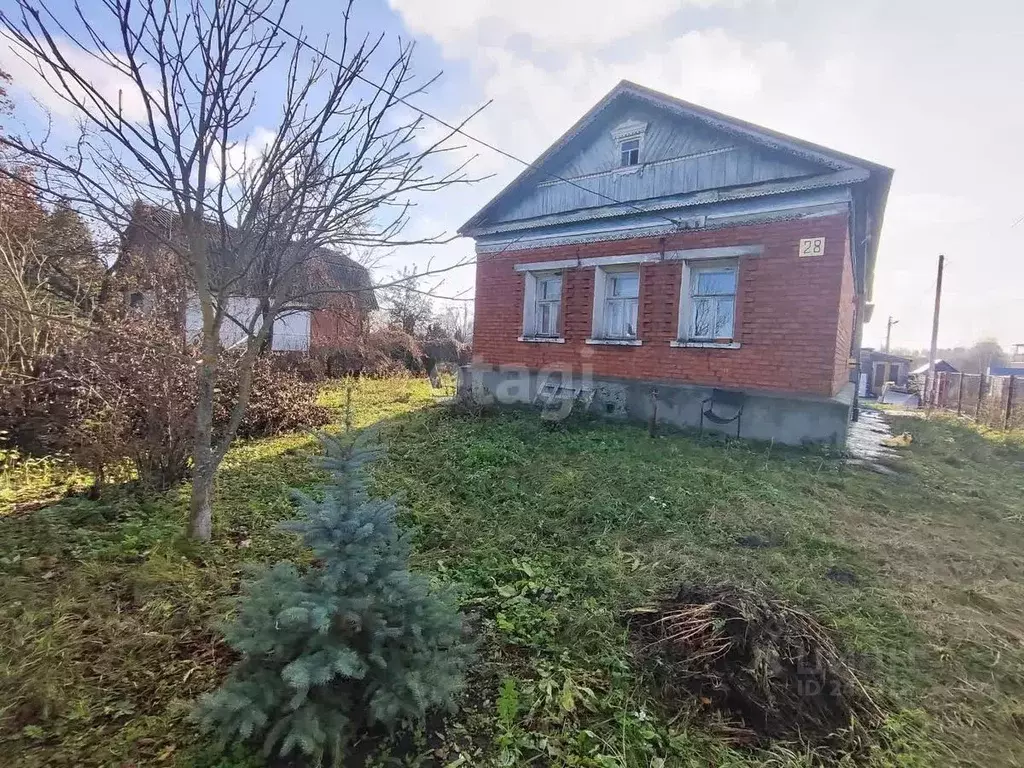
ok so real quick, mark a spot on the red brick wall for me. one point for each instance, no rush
(791, 318)
(340, 321)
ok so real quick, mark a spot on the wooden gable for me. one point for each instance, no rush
(684, 150)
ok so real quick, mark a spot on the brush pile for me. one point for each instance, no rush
(769, 670)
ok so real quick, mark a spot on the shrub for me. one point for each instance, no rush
(384, 352)
(104, 402)
(308, 366)
(279, 401)
(111, 406)
(447, 350)
(388, 351)
(355, 640)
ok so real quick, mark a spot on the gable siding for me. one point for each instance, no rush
(678, 156)
(787, 318)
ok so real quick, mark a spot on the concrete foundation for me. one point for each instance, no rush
(788, 419)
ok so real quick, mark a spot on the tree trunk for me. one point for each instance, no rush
(200, 522)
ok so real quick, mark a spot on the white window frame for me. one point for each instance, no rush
(532, 302)
(603, 280)
(622, 151)
(630, 130)
(687, 305)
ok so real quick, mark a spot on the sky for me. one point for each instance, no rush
(931, 88)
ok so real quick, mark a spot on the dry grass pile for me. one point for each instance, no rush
(768, 670)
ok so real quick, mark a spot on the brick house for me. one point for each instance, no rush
(340, 298)
(659, 254)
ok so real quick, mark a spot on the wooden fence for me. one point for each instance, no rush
(997, 401)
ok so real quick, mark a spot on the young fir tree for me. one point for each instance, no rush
(353, 640)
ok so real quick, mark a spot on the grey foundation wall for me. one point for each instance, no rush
(788, 419)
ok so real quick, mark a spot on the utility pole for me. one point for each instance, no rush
(888, 332)
(930, 381)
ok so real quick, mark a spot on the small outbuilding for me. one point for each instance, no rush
(877, 368)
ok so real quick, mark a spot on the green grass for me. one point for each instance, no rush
(108, 618)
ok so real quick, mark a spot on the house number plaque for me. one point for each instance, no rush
(812, 246)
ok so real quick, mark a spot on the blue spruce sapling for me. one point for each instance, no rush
(351, 641)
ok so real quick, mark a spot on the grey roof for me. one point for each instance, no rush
(940, 363)
(884, 357)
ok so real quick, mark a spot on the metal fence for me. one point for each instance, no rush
(997, 401)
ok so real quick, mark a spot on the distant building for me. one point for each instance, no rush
(1013, 368)
(941, 366)
(340, 290)
(881, 367)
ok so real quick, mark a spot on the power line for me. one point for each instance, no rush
(454, 128)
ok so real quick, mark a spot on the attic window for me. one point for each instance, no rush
(629, 152)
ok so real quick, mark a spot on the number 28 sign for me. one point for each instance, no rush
(812, 246)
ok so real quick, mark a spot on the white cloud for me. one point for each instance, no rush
(242, 154)
(245, 153)
(550, 25)
(535, 102)
(101, 75)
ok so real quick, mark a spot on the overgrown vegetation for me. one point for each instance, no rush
(125, 411)
(548, 536)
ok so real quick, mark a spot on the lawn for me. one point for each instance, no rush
(108, 625)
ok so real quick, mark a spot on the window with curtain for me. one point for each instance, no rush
(622, 290)
(547, 305)
(712, 301)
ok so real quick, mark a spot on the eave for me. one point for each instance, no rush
(675, 202)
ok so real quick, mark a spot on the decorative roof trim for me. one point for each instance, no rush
(630, 129)
(689, 199)
(655, 230)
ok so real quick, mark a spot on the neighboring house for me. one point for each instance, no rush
(941, 366)
(341, 291)
(877, 368)
(1015, 366)
(659, 251)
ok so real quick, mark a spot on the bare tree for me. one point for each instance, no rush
(341, 167)
(406, 303)
(456, 321)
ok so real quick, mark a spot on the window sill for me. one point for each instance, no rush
(541, 340)
(616, 342)
(707, 344)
